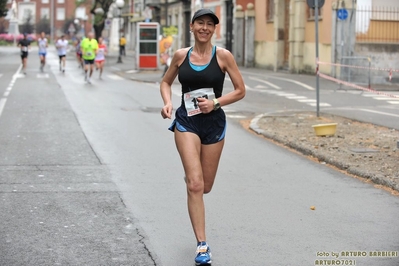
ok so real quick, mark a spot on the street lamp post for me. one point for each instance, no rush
(119, 5)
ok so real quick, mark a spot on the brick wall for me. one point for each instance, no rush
(64, 10)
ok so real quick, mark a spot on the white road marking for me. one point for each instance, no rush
(41, 75)
(285, 94)
(266, 82)
(378, 112)
(115, 77)
(393, 102)
(2, 104)
(261, 87)
(132, 71)
(271, 92)
(369, 95)
(8, 90)
(19, 75)
(296, 97)
(288, 80)
(320, 104)
(302, 84)
(306, 100)
(386, 98)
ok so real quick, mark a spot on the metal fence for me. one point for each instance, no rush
(355, 69)
(377, 24)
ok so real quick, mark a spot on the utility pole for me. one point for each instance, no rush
(166, 12)
(52, 20)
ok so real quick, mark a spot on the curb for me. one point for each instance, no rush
(377, 179)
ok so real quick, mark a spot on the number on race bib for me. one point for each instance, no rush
(191, 100)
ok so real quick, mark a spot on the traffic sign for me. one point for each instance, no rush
(342, 14)
(312, 3)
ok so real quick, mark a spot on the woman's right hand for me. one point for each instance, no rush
(166, 111)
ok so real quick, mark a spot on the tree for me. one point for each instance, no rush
(99, 18)
(3, 8)
(43, 26)
(69, 27)
(3, 26)
(28, 27)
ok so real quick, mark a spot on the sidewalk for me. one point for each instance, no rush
(128, 68)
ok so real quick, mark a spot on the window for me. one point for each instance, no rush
(45, 1)
(80, 12)
(60, 1)
(60, 13)
(45, 12)
(270, 10)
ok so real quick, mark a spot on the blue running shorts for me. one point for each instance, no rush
(210, 128)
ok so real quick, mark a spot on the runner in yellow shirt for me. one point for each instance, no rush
(89, 47)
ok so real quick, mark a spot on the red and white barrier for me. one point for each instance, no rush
(356, 86)
(390, 70)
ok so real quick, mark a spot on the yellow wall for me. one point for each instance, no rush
(380, 32)
(264, 54)
(265, 45)
(309, 58)
(325, 24)
(264, 31)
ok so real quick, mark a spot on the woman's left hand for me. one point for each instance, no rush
(205, 105)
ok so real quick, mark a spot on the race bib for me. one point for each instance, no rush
(24, 49)
(191, 102)
(89, 53)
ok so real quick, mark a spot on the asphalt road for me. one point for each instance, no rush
(298, 92)
(89, 175)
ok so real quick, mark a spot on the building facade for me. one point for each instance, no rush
(288, 36)
(58, 12)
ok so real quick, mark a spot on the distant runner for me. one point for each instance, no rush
(43, 44)
(24, 45)
(79, 53)
(89, 48)
(100, 56)
(62, 46)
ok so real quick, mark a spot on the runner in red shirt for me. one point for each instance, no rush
(100, 55)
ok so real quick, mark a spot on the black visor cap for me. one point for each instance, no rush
(205, 12)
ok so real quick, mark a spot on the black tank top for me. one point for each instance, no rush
(210, 76)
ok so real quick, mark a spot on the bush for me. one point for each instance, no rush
(9, 38)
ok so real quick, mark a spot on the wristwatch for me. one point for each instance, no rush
(216, 104)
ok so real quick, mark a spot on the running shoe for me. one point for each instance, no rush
(203, 254)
